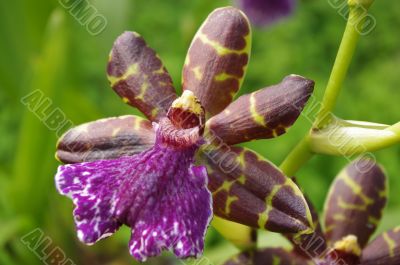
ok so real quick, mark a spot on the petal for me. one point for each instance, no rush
(310, 245)
(178, 221)
(217, 58)
(165, 200)
(384, 250)
(266, 113)
(138, 76)
(252, 191)
(93, 187)
(274, 256)
(264, 12)
(105, 139)
(158, 193)
(355, 202)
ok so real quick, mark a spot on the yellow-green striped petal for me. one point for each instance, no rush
(266, 113)
(250, 190)
(384, 250)
(217, 58)
(355, 202)
(138, 76)
(105, 139)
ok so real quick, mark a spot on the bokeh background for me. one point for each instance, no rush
(42, 46)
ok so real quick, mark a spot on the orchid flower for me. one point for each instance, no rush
(165, 176)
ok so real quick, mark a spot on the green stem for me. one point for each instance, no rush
(341, 66)
(297, 157)
(302, 152)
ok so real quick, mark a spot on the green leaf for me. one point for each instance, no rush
(32, 175)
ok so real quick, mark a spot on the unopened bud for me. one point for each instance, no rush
(348, 138)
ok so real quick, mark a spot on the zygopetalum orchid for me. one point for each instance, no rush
(353, 210)
(152, 175)
(265, 12)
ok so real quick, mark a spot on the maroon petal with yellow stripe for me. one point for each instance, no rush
(250, 190)
(310, 245)
(217, 59)
(268, 256)
(138, 76)
(355, 202)
(266, 113)
(105, 139)
(384, 250)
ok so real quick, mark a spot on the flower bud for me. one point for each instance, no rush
(347, 138)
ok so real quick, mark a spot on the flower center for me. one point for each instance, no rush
(348, 245)
(185, 123)
(186, 112)
(345, 251)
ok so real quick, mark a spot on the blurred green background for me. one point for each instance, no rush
(44, 47)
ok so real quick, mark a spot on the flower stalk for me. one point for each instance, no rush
(303, 151)
(344, 57)
(297, 158)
